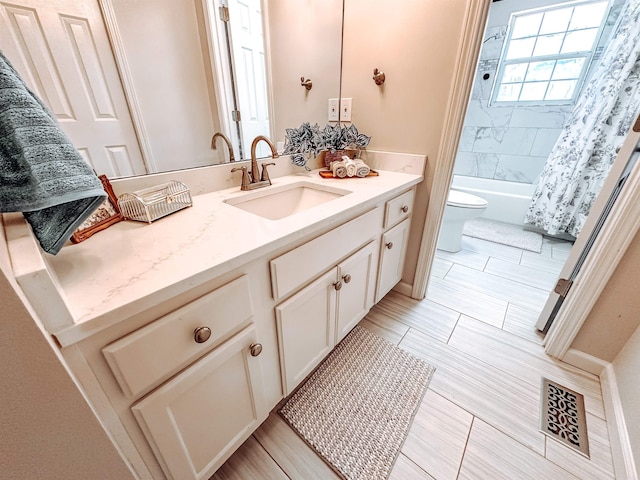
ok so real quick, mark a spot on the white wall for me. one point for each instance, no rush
(48, 430)
(616, 313)
(305, 40)
(415, 44)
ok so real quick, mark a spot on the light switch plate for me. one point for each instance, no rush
(334, 111)
(345, 109)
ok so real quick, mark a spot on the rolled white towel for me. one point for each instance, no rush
(351, 167)
(339, 169)
(362, 169)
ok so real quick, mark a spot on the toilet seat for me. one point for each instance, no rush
(457, 198)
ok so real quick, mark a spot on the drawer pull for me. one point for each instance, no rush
(404, 209)
(255, 349)
(201, 334)
(337, 285)
(389, 245)
(346, 278)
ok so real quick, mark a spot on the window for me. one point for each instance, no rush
(547, 53)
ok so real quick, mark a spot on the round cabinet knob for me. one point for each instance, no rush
(346, 278)
(255, 349)
(389, 245)
(337, 285)
(201, 334)
(404, 209)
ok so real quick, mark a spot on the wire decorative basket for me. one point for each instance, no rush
(152, 203)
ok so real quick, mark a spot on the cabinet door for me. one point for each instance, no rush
(355, 298)
(306, 329)
(197, 420)
(392, 253)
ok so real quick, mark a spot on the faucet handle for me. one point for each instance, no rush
(265, 173)
(245, 177)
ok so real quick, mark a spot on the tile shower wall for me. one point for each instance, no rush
(509, 143)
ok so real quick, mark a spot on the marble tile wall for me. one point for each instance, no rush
(508, 143)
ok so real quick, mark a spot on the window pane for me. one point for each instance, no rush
(520, 48)
(509, 92)
(548, 44)
(556, 21)
(579, 41)
(526, 25)
(566, 69)
(562, 90)
(540, 71)
(586, 16)
(514, 72)
(533, 91)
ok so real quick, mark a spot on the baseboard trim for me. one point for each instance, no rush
(621, 451)
(404, 288)
(584, 361)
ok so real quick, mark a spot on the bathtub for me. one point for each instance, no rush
(508, 201)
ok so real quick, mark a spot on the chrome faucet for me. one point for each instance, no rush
(226, 140)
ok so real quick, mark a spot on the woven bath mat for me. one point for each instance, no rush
(355, 410)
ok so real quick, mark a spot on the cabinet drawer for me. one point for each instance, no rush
(147, 356)
(296, 268)
(398, 208)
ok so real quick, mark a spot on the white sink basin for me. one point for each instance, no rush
(283, 201)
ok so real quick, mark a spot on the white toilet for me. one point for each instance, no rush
(460, 207)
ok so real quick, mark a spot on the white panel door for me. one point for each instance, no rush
(358, 276)
(306, 329)
(61, 50)
(247, 40)
(392, 253)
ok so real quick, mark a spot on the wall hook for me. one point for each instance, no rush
(306, 83)
(378, 76)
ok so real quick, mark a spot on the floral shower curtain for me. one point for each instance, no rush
(583, 154)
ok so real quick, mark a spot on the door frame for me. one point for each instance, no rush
(617, 233)
(219, 60)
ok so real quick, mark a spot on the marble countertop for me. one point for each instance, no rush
(132, 265)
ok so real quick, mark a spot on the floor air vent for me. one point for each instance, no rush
(562, 416)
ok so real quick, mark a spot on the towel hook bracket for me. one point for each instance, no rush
(378, 76)
(306, 83)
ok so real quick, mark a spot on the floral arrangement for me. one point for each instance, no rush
(307, 140)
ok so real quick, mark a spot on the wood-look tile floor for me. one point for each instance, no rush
(479, 416)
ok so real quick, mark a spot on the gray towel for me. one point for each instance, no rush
(42, 175)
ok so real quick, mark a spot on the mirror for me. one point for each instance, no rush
(183, 103)
(121, 75)
(304, 40)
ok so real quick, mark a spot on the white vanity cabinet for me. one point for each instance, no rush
(357, 277)
(323, 308)
(393, 247)
(196, 420)
(163, 335)
(315, 319)
(200, 367)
